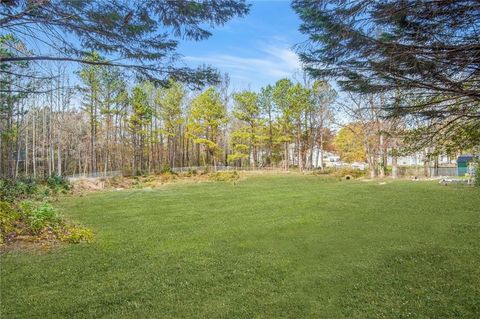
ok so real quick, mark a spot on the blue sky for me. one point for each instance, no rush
(255, 50)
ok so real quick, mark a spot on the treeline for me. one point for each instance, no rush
(107, 124)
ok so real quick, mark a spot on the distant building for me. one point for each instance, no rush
(313, 158)
(328, 158)
(463, 164)
(417, 159)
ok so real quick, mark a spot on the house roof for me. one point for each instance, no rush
(465, 158)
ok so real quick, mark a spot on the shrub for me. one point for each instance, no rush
(352, 173)
(11, 190)
(40, 221)
(149, 179)
(28, 185)
(6, 191)
(191, 172)
(58, 183)
(226, 176)
(136, 182)
(8, 218)
(29, 188)
(21, 214)
(166, 169)
(38, 217)
(75, 234)
(168, 176)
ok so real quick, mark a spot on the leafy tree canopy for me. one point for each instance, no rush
(429, 49)
(146, 33)
(348, 143)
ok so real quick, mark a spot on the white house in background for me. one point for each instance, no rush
(416, 159)
(329, 158)
(408, 160)
(359, 165)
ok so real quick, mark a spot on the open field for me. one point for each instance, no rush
(286, 246)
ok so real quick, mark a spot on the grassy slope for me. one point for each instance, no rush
(269, 247)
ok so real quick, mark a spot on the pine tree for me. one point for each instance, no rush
(268, 112)
(207, 116)
(145, 33)
(428, 50)
(171, 99)
(247, 110)
(139, 120)
(280, 98)
(91, 77)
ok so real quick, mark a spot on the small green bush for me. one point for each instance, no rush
(39, 220)
(58, 184)
(137, 182)
(11, 190)
(28, 188)
(22, 212)
(37, 217)
(8, 218)
(166, 169)
(226, 176)
(29, 185)
(76, 234)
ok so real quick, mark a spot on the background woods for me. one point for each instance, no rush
(107, 124)
(408, 78)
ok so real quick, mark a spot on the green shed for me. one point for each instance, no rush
(462, 164)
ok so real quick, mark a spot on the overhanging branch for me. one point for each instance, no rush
(68, 59)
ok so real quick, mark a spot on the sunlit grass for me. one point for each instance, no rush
(286, 246)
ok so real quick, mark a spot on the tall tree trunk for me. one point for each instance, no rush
(299, 149)
(394, 167)
(26, 147)
(34, 146)
(270, 136)
(51, 151)
(59, 152)
(373, 167)
(254, 149)
(426, 166)
(92, 133)
(44, 144)
(382, 156)
(321, 149)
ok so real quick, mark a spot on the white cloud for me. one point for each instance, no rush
(270, 63)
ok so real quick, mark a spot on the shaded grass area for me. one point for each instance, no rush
(285, 246)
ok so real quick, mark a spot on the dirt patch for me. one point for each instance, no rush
(153, 181)
(43, 242)
(87, 184)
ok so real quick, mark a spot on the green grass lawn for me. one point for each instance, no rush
(285, 246)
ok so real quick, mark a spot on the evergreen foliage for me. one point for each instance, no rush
(144, 32)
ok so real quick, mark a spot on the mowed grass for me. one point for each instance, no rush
(286, 246)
